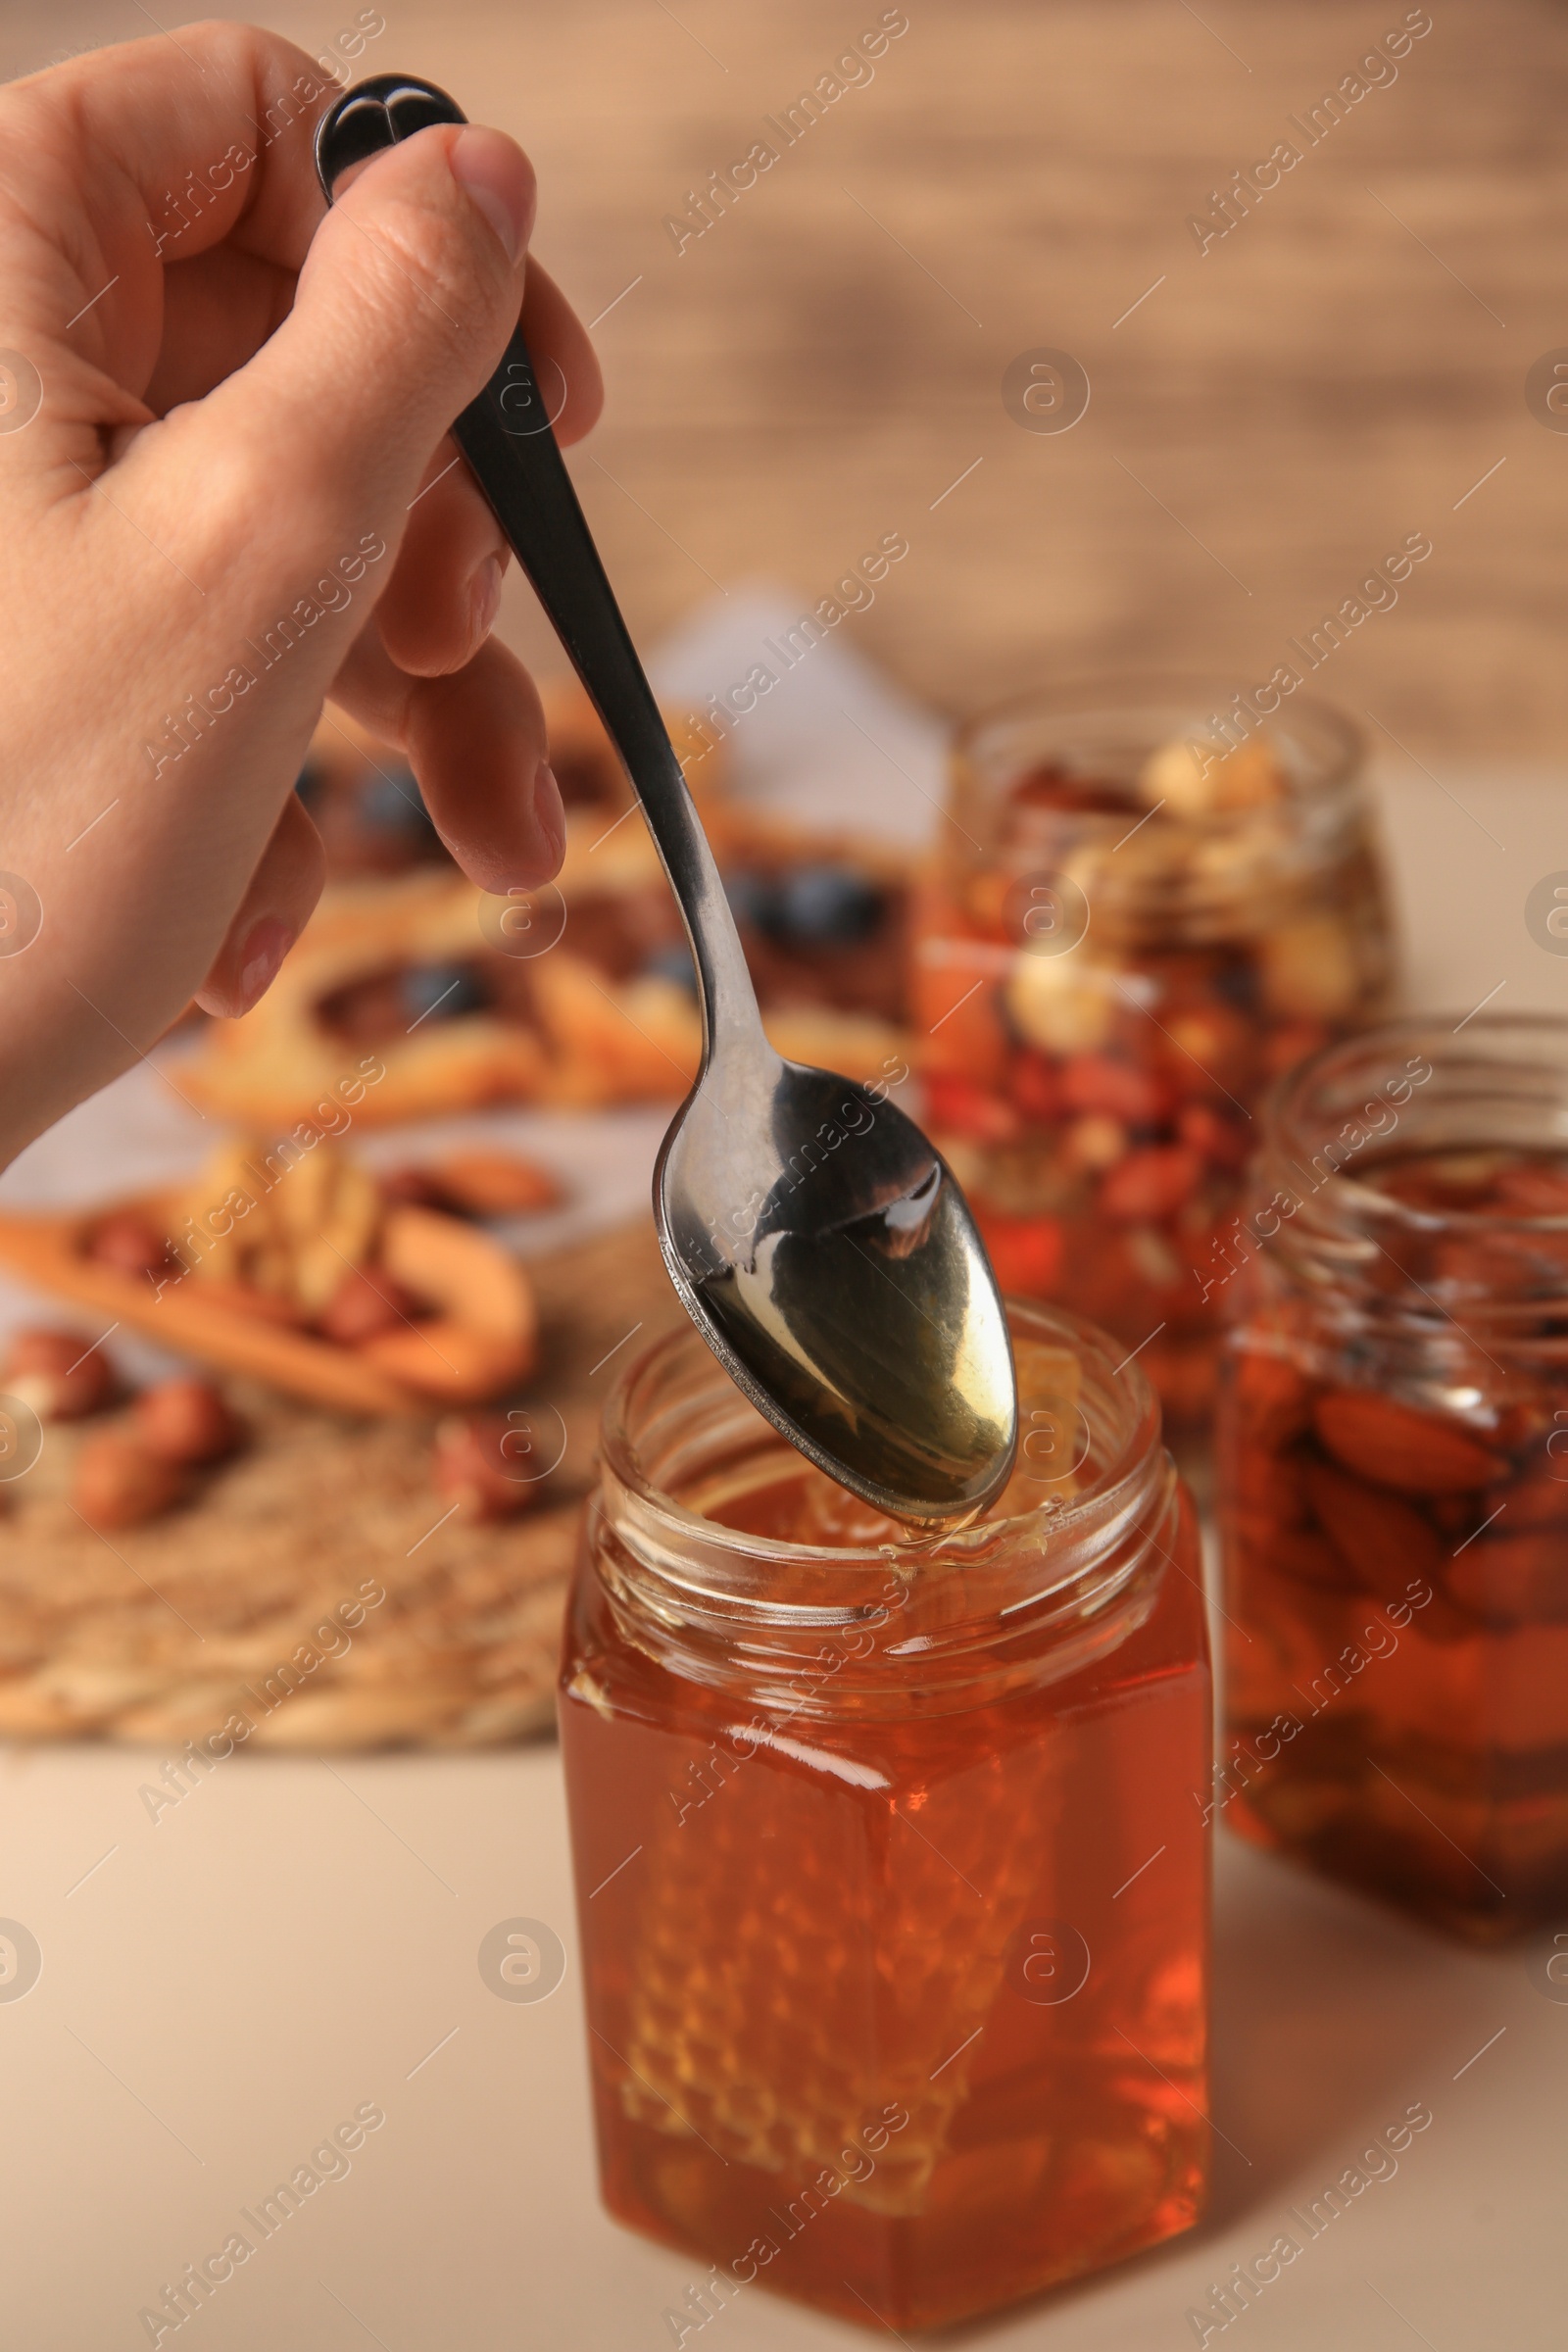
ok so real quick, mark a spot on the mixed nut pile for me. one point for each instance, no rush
(389, 1268)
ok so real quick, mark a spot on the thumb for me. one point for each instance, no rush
(411, 288)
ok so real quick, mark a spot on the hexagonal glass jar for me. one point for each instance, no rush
(891, 1865)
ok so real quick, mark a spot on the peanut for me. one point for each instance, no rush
(185, 1420)
(62, 1376)
(128, 1243)
(473, 1468)
(119, 1483)
(365, 1302)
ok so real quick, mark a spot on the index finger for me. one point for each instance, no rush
(121, 174)
(109, 161)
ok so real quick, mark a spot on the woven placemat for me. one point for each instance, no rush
(256, 1600)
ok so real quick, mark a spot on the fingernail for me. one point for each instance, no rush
(260, 957)
(550, 814)
(486, 596)
(497, 178)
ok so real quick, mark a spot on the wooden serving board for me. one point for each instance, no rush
(165, 1631)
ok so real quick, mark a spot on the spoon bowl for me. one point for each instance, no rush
(815, 1238)
(820, 1244)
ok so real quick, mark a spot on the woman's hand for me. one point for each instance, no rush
(226, 493)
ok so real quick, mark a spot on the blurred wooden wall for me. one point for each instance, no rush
(1271, 420)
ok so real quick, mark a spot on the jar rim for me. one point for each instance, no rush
(1122, 694)
(1108, 1490)
(1286, 1111)
(877, 1629)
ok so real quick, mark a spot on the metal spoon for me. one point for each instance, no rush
(815, 1238)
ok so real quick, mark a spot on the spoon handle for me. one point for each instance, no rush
(506, 435)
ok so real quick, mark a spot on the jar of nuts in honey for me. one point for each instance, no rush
(890, 1872)
(1393, 1469)
(1151, 901)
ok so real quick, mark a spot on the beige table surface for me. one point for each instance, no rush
(224, 1986)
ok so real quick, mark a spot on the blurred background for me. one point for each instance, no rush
(841, 355)
(1275, 412)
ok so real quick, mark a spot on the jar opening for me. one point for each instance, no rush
(1496, 1084)
(1105, 728)
(1174, 808)
(1425, 1163)
(738, 1599)
(676, 1423)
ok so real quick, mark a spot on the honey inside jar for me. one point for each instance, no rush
(1394, 1485)
(891, 1876)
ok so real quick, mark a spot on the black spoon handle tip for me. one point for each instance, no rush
(373, 114)
(507, 436)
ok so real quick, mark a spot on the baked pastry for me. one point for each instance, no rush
(402, 981)
(580, 995)
(824, 918)
(366, 802)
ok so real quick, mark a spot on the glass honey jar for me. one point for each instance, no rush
(892, 1884)
(1153, 896)
(1394, 1474)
